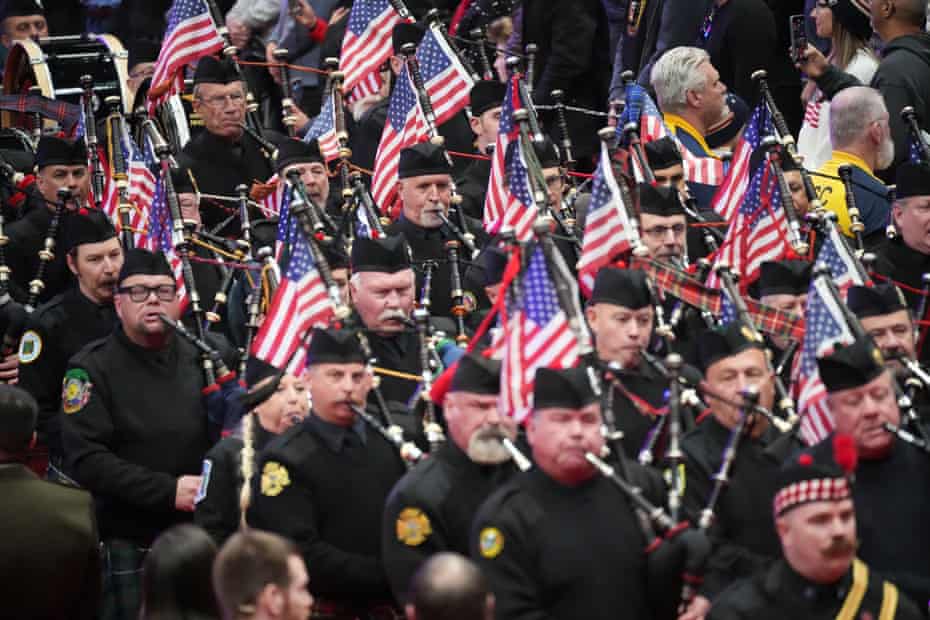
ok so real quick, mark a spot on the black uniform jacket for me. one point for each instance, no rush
(324, 487)
(551, 551)
(429, 244)
(133, 423)
(890, 498)
(56, 331)
(217, 509)
(779, 592)
(743, 532)
(431, 510)
(218, 166)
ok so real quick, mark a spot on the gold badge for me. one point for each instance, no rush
(490, 542)
(877, 356)
(274, 479)
(413, 527)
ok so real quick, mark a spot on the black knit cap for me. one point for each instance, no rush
(547, 153)
(568, 388)
(87, 226)
(212, 70)
(336, 257)
(476, 374)
(722, 341)
(422, 159)
(621, 287)
(138, 261)
(785, 277)
(851, 366)
(662, 153)
(487, 95)
(21, 8)
(659, 200)
(494, 261)
(53, 151)
(912, 180)
(334, 346)
(404, 33)
(816, 474)
(866, 301)
(388, 254)
(256, 371)
(18, 415)
(297, 152)
(854, 15)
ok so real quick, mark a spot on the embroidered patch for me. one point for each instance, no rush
(413, 527)
(490, 542)
(30, 347)
(205, 472)
(274, 479)
(75, 390)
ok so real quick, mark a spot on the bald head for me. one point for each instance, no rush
(912, 12)
(449, 587)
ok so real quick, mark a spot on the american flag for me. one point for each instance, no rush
(366, 46)
(447, 82)
(607, 228)
(758, 233)
(191, 34)
(140, 184)
(825, 325)
(323, 130)
(300, 303)
(642, 110)
(447, 86)
(405, 127)
(270, 205)
(160, 237)
(731, 191)
(536, 334)
(522, 210)
(497, 200)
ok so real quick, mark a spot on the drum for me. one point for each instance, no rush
(54, 67)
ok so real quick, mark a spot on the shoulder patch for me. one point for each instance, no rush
(274, 479)
(30, 347)
(75, 390)
(413, 527)
(205, 472)
(490, 542)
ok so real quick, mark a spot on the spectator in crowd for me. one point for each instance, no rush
(176, 577)
(261, 576)
(449, 587)
(49, 536)
(846, 24)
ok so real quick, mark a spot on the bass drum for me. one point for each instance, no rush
(53, 68)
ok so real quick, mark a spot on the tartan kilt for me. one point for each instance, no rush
(122, 579)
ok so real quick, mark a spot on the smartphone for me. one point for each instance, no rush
(798, 37)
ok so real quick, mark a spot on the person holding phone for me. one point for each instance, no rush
(846, 23)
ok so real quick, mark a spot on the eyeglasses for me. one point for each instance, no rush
(219, 101)
(139, 292)
(659, 232)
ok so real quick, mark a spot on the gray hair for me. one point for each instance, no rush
(852, 110)
(675, 73)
